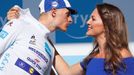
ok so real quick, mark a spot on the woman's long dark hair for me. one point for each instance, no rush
(116, 38)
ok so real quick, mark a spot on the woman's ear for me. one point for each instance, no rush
(53, 12)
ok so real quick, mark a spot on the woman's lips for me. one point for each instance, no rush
(90, 27)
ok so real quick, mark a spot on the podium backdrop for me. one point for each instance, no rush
(74, 44)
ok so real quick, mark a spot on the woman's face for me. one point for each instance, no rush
(95, 25)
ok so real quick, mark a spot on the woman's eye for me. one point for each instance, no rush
(93, 19)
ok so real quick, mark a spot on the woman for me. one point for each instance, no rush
(111, 54)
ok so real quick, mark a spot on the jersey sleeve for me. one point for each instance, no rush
(8, 34)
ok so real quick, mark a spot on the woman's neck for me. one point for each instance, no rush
(101, 45)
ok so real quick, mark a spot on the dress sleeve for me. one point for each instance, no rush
(83, 65)
(129, 66)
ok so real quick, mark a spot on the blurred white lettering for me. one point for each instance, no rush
(83, 19)
(3, 21)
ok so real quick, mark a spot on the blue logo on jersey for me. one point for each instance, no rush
(48, 50)
(34, 62)
(26, 67)
(3, 34)
(39, 54)
(4, 60)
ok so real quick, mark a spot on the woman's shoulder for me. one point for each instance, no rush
(126, 53)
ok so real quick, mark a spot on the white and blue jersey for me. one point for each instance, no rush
(24, 48)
